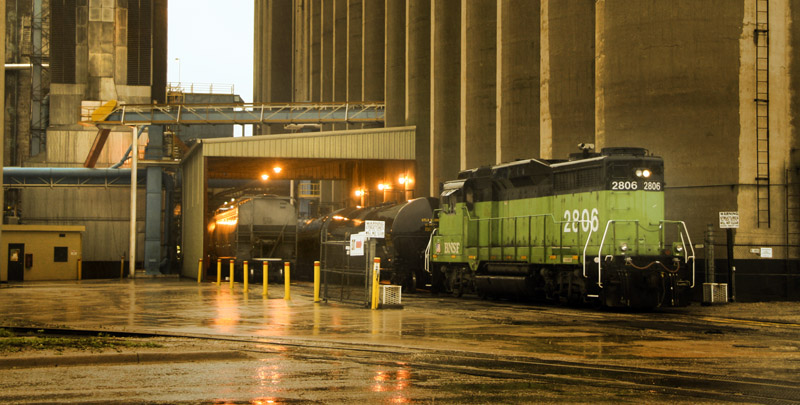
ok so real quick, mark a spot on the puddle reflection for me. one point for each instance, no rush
(227, 311)
(397, 381)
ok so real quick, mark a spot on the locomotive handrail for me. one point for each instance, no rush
(428, 251)
(600, 251)
(683, 241)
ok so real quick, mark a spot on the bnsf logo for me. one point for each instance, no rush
(452, 247)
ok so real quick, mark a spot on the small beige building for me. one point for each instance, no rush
(40, 252)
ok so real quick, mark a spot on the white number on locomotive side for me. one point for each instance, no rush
(624, 185)
(586, 219)
(652, 185)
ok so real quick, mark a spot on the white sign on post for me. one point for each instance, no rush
(357, 242)
(374, 229)
(729, 219)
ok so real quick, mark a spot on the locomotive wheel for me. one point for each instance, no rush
(456, 283)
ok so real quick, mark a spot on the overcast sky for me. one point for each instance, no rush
(214, 41)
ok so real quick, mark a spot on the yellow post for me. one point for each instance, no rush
(230, 274)
(122, 266)
(376, 276)
(246, 274)
(199, 271)
(286, 281)
(219, 271)
(265, 276)
(80, 270)
(316, 281)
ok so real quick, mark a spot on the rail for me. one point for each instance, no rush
(199, 88)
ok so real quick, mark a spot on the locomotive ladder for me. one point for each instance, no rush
(761, 37)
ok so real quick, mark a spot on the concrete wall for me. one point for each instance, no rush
(514, 79)
(660, 88)
(40, 242)
(478, 82)
(567, 76)
(445, 91)
(418, 86)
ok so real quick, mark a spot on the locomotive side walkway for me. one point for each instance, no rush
(747, 340)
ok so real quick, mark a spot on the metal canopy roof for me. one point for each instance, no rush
(382, 143)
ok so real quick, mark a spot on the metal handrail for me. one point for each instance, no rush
(691, 246)
(428, 251)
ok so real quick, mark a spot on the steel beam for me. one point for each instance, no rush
(243, 114)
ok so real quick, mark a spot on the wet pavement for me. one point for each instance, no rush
(453, 350)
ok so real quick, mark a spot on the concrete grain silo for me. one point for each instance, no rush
(567, 76)
(712, 86)
(707, 85)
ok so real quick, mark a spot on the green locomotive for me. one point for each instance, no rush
(590, 229)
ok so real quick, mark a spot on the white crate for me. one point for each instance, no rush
(390, 294)
(715, 293)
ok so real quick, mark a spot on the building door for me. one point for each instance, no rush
(16, 261)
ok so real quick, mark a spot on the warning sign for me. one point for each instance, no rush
(374, 229)
(729, 219)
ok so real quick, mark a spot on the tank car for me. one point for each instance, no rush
(590, 229)
(402, 250)
(254, 229)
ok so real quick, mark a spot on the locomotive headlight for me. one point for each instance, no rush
(646, 173)
(639, 173)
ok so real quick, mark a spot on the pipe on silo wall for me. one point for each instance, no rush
(418, 88)
(518, 57)
(566, 76)
(301, 47)
(374, 53)
(793, 238)
(445, 90)
(668, 79)
(355, 50)
(395, 63)
(478, 82)
(340, 54)
(315, 54)
(327, 58)
(273, 55)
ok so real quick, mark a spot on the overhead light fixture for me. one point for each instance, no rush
(265, 177)
(277, 169)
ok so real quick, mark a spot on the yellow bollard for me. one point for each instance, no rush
(199, 271)
(316, 281)
(265, 276)
(230, 274)
(80, 270)
(219, 271)
(376, 277)
(246, 274)
(286, 281)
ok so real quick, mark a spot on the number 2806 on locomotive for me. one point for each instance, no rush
(590, 229)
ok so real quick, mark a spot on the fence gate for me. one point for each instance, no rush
(345, 278)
